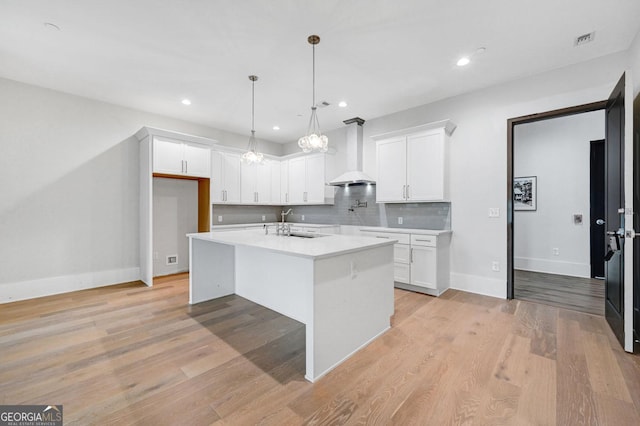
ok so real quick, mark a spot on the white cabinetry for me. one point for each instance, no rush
(413, 164)
(421, 262)
(174, 157)
(255, 183)
(225, 177)
(306, 180)
(284, 182)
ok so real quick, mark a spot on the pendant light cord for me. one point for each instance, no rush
(313, 105)
(253, 85)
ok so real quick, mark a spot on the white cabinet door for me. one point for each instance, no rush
(248, 183)
(392, 167)
(426, 166)
(232, 177)
(423, 266)
(167, 157)
(263, 183)
(217, 188)
(297, 180)
(315, 183)
(275, 183)
(197, 161)
(284, 182)
(225, 178)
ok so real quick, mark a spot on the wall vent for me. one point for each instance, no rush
(585, 38)
(172, 259)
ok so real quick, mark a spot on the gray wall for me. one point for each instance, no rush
(415, 215)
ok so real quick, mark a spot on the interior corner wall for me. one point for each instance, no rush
(478, 157)
(175, 214)
(70, 189)
(557, 152)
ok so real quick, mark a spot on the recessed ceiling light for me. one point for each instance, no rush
(51, 26)
(342, 104)
(276, 127)
(186, 102)
(463, 61)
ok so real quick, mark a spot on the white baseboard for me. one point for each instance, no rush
(572, 269)
(23, 290)
(494, 287)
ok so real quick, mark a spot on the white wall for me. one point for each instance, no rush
(478, 166)
(557, 152)
(175, 214)
(69, 198)
(634, 61)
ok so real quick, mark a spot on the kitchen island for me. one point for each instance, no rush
(340, 287)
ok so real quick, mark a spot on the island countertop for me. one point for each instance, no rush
(315, 248)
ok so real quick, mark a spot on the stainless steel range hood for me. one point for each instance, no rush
(354, 174)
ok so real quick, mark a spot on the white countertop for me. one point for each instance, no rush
(405, 230)
(315, 248)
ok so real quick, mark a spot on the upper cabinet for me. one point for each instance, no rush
(413, 164)
(225, 177)
(256, 183)
(179, 158)
(307, 181)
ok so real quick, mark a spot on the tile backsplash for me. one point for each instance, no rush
(345, 212)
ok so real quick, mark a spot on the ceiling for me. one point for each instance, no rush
(380, 56)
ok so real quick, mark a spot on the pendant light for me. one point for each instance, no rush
(252, 156)
(314, 140)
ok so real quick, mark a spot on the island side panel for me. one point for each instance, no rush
(211, 270)
(278, 281)
(353, 304)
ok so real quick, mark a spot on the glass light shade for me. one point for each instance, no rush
(314, 142)
(251, 157)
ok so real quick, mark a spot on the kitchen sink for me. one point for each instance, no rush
(307, 235)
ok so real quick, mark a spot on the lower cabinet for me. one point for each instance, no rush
(421, 262)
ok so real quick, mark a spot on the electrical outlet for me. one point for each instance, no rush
(264, 218)
(303, 218)
(400, 220)
(494, 212)
(555, 251)
(495, 266)
(219, 218)
(172, 259)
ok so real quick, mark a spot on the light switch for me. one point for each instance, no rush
(219, 218)
(494, 212)
(400, 220)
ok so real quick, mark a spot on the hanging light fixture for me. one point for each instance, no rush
(314, 140)
(252, 156)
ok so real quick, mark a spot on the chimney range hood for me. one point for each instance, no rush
(354, 175)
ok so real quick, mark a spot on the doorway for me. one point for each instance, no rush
(553, 211)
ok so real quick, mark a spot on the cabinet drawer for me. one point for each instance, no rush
(402, 238)
(423, 240)
(401, 253)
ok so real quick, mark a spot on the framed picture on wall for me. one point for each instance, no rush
(525, 190)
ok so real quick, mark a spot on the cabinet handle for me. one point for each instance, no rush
(408, 196)
(226, 197)
(411, 255)
(186, 166)
(222, 195)
(426, 241)
(386, 238)
(286, 197)
(181, 166)
(404, 192)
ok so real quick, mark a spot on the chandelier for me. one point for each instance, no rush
(314, 140)
(252, 156)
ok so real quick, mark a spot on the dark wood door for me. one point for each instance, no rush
(614, 211)
(636, 224)
(596, 202)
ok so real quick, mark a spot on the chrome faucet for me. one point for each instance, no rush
(281, 227)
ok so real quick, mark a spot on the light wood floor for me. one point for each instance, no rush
(578, 294)
(135, 355)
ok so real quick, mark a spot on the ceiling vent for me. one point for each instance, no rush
(322, 104)
(585, 38)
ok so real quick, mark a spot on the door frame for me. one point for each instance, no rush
(511, 123)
